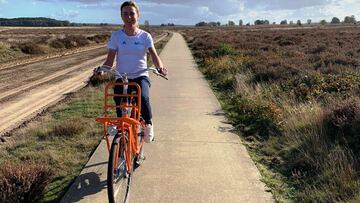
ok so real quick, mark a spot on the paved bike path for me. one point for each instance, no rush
(195, 157)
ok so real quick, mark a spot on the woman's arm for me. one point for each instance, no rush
(157, 61)
(110, 58)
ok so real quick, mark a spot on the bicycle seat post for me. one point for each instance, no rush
(125, 110)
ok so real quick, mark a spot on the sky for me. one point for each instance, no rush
(183, 12)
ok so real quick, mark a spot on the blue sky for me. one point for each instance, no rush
(186, 12)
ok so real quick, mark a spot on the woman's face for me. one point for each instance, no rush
(129, 15)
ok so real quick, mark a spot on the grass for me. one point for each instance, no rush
(7, 54)
(295, 101)
(64, 138)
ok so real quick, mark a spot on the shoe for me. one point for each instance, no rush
(140, 160)
(149, 133)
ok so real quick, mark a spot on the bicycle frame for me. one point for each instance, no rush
(128, 123)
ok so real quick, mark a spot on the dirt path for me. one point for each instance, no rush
(26, 90)
(195, 156)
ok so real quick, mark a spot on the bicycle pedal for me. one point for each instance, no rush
(139, 160)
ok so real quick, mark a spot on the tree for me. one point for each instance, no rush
(323, 22)
(218, 23)
(146, 23)
(309, 21)
(202, 23)
(298, 22)
(261, 22)
(335, 20)
(241, 22)
(38, 22)
(283, 22)
(258, 22)
(212, 24)
(350, 19)
(231, 23)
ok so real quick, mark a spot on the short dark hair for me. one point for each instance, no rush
(130, 3)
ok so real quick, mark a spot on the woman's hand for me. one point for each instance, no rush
(163, 71)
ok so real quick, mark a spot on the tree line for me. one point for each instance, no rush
(41, 22)
(335, 20)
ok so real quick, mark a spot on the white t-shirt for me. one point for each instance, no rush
(131, 52)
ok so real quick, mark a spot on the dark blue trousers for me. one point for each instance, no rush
(144, 83)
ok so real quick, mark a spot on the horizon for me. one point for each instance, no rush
(158, 12)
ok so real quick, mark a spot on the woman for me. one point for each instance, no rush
(130, 46)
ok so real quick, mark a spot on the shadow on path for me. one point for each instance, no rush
(84, 185)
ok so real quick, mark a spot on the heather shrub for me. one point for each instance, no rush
(73, 41)
(342, 124)
(222, 70)
(23, 182)
(29, 48)
(257, 117)
(287, 104)
(223, 50)
(319, 167)
(99, 38)
(57, 44)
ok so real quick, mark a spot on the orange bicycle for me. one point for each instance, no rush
(127, 134)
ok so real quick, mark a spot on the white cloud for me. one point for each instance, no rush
(283, 4)
(193, 11)
(223, 7)
(67, 14)
(97, 5)
(79, 1)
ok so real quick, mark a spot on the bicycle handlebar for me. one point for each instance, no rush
(156, 72)
(108, 69)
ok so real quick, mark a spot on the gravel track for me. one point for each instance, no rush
(27, 90)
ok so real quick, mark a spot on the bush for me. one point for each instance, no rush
(30, 48)
(23, 182)
(68, 128)
(223, 50)
(74, 41)
(99, 38)
(57, 44)
(258, 116)
(342, 124)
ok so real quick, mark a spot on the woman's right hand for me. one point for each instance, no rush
(163, 71)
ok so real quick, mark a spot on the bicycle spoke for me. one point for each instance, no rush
(118, 179)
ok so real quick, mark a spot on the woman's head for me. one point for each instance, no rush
(130, 13)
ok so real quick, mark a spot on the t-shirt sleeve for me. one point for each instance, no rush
(112, 42)
(149, 42)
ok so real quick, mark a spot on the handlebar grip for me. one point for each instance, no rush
(156, 72)
(164, 76)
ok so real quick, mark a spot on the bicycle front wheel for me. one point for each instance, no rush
(140, 157)
(118, 180)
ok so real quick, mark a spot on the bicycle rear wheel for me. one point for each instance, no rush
(118, 180)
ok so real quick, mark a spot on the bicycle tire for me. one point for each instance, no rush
(118, 181)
